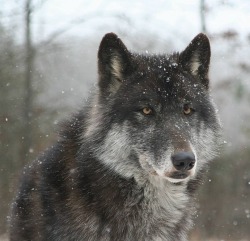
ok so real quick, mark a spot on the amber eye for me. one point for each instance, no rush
(147, 111)
(187, 110)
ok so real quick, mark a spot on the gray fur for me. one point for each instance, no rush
(111, 176)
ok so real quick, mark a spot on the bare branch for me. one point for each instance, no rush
(79, 21)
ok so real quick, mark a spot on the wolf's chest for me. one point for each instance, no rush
(154, 218)
(164, 209)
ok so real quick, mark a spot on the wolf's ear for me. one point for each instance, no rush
(114, 63)
(196, 58)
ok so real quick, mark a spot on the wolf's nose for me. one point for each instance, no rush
(183, 161)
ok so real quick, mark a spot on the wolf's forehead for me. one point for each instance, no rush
(159, 92)
(168, 89)
(161, 67)
(157, 63)
(165, 81)
(163, 75)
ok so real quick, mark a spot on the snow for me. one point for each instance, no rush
(148, 26)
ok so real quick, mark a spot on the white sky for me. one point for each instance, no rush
(164, 17)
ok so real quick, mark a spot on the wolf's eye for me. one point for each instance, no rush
(187, 109)
(147, 111)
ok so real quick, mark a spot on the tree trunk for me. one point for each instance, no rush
(28, 91)
(202, 15)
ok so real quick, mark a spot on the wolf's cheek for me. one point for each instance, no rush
(206, 144)
(146, 164)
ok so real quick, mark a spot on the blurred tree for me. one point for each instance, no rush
(29, 70)
(202, 16)
(11, 96)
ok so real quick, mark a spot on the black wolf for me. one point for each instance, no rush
(127, 166)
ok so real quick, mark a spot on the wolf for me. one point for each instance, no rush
(127, 166)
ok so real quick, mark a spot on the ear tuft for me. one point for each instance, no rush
(116, 67)
(196, 58)
(114, 62)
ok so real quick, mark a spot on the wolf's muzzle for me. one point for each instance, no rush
(183, 161)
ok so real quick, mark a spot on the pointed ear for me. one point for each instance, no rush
(114, 63)
(196, 58)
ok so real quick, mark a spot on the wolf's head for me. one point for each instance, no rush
(153, 114)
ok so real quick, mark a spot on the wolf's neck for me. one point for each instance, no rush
(174, 194)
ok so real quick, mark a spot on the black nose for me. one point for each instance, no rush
(183, 161)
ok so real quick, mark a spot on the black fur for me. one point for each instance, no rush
(81, 189)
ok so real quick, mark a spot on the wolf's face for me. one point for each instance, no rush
(156, 109)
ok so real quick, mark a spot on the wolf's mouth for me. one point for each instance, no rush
(179, 175)
(175, 176)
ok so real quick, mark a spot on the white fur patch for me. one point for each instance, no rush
(195, 64)
(116, 150)
(167, 201)
(206, 145)
(116, 67)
